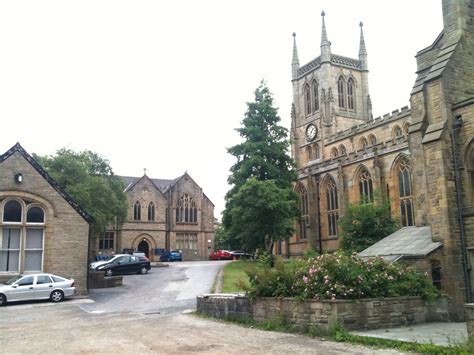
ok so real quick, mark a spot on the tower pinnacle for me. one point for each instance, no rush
(325, 44)
(295, 63)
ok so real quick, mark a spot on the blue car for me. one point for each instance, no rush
(173, 255)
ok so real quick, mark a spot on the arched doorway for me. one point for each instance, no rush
(144, 247)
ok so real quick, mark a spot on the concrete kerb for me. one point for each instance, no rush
(158, 264)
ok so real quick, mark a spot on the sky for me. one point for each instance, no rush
(162, 85)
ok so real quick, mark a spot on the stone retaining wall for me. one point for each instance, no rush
(352, 315)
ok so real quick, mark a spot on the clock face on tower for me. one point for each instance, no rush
(311, 132)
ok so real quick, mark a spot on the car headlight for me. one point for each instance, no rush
(100, 268)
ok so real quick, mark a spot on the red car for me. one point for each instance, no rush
(221, 255)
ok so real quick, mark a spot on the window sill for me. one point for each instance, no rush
(188, 223)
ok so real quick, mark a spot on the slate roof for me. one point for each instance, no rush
(18, 148)
(405, 242)
(162, 184)
(336, 59)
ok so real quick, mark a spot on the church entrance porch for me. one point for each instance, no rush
(144, 247)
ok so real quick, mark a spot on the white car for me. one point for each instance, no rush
(36, 287)
(96, 264)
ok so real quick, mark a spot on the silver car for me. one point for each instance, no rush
(36, 287)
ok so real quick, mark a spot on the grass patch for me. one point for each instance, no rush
(234, 276)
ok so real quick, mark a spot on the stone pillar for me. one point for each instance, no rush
(469, 309)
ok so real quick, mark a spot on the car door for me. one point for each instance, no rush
(121, 265)
(43, 286)
(22, 289)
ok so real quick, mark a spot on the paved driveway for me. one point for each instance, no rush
(164, 290)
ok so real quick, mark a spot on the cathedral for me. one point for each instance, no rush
(162, 215)
(419, 157)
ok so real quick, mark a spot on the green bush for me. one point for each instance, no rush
(339, 276)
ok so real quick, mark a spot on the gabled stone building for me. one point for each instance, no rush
(163, 215)
(42, 228)
(420, 157)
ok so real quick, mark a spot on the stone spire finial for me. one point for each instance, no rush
(324, 34)
(325, 44)
(362, 49)
(295, 63)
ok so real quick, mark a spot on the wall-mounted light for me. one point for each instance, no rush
(18, 178)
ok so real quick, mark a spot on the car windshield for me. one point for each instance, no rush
(13, 279)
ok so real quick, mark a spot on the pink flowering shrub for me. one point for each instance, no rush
(340, 276)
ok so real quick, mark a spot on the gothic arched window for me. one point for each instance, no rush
(309, 153)
(307, 99)
(315, 95)
(363, 144)
(151, 211)
(366, 191)
(304, 212)
(186, 210)
(342, 150)
(341, 92)
(137, 211)
(397, 132)
(470, 171)
(350, 94)
(373, 140)
(334, 153)
(332, 207)
(405, 193)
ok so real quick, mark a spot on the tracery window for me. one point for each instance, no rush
(332, 207)
(304, 212)
(186, 210)
(21, 237)
(350, 94)
(315, 95)
(137, 211)
(341, 92)
(405, 193)
(365, 187)
(307, 96)
(151, 211)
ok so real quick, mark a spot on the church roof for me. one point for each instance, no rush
(162, 184)
(405, 242)
(18, 148)
(335, 59)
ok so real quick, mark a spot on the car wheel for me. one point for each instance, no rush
(109, 272)
(143, 270)
(3, 300)
(56, 296)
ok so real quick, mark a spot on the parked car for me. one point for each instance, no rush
(36, 287)
(239, 254)
(173, 255)
(123, 264)
(221, 255)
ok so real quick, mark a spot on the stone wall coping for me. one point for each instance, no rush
(224, 295)
(469, 305)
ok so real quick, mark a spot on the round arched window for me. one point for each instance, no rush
(12, 211)
(35, 215)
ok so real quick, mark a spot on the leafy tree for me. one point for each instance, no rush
(89, 179)
(264, 170)
(262, 213)
(365, 224)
